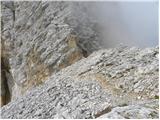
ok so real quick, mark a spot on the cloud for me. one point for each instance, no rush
(130, 23)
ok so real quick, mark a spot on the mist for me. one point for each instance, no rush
(127, 23)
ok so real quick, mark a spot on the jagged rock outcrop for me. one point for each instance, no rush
(110, 83)
(146, 110)
(43, 38)
(52, 66)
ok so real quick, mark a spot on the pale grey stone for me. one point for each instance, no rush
(59, 70)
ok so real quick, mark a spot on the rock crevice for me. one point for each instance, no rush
(45, 37)
(53, 66)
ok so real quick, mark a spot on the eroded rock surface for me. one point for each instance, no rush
(43, 38)
(111, 83)
(52, 66)
(146, 110)
(6, 77)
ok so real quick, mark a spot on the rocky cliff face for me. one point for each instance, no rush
(52, 66)
(43, 38)
(114, 83)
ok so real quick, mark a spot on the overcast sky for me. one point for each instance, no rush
(131, 23)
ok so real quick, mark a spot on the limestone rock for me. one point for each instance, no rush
(45, 37)
(53, 66)
(141, 111)
(101, 85)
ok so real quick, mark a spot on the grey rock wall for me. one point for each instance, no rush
(44, 37)
(54, 66)
(113, 83)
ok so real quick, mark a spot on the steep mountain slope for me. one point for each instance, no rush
(54, 66)
(113, 83)
(44, 37)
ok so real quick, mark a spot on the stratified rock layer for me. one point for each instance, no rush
(113, 83)
(43, 38)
